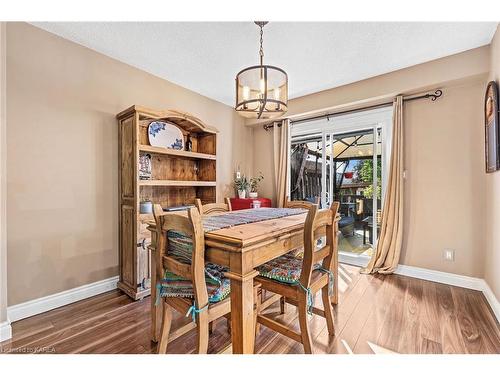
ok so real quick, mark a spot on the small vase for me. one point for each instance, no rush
(253, 194)
(241, 194)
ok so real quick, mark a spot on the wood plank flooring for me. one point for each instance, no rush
(397, 313)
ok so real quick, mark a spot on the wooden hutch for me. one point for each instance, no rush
(177, 178)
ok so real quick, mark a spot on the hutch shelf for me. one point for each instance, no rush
(178, 177)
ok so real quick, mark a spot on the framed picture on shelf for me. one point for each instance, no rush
(492, 131)
(145, 167)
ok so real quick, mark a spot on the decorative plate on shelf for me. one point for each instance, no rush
(164, 134)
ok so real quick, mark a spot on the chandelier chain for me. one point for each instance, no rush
(261, 51)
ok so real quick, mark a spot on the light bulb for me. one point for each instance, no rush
(277, 93)
(246, 92)
(262, 86)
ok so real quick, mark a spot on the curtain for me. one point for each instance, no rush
(281, 160)
(386, 256)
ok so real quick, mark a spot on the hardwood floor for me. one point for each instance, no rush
(394, 312)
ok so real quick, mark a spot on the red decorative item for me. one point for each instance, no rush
(244, 204)
(348, 174)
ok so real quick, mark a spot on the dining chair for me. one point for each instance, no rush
(188, 285)
(298, 280)
(299, 252)
(212, 208)
(297, 204)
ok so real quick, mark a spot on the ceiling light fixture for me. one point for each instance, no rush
(261, 90)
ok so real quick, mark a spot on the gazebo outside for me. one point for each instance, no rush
(351, 162)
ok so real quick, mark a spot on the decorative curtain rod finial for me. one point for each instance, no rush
(436, 95)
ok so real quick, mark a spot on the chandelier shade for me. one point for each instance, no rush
(261, 90)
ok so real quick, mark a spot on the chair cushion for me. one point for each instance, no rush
(285, 269)
(298, 253)
(345, 221)
(218, 286)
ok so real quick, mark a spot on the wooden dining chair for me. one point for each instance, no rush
(299, 252)
(213, 208)
(297, 204)
(183, 287)
(298, 280)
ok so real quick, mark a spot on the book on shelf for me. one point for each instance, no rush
(178, 208)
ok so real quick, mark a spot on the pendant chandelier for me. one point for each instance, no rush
(261, 90)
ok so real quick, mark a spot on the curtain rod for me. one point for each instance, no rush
(438, 93)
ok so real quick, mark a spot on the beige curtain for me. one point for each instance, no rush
(280, 155)
(386, 256)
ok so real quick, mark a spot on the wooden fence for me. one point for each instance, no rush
(309, 186)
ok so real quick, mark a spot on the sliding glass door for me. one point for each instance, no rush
(357, 166)
(344, 159)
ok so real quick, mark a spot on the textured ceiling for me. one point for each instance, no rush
(205, 57)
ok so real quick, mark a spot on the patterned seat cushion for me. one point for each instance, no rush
(285, 269)
(298, 253)
(218, 286)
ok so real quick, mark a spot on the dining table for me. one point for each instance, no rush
(241, 248)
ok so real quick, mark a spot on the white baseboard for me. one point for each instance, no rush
(441, 277)
(492, 299)
(5, 331)
(43, 304)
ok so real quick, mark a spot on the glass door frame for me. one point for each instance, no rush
(375, 119)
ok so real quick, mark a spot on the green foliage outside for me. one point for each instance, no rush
(364, 171)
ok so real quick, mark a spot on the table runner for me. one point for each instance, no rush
(233, 218)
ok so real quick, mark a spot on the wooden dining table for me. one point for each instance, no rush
(241, 248)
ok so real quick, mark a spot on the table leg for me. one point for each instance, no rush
(242, 311)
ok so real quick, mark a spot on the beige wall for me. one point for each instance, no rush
(444, 156)
(62, 152)
(444, 201)
(3, 183)
(492, 257)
